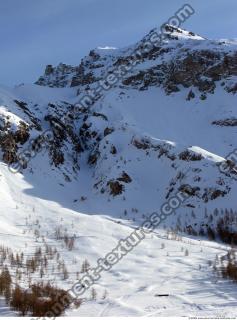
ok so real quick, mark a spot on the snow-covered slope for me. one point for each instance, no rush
(165, 126)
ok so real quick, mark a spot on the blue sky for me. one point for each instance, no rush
(36, 33)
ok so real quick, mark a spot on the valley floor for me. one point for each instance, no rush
(179, 267)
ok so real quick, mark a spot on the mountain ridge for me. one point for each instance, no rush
(179, 65)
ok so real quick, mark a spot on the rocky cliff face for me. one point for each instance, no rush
(183, 73)
(183, 59)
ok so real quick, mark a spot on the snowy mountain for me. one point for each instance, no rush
(93, 155)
